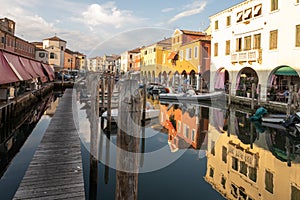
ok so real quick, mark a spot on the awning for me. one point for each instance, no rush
(6, 73)
(172, 55)
(39, 70)
(286, 71)
(49, 71)
(16, 66)
(28, 67)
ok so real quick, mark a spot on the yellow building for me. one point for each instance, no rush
(152, 59)
(187, 59)
(245, 164)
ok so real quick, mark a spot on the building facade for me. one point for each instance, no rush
(256, 42)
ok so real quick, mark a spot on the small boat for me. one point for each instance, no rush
(190, 96)
(274, 118)
(151, 113)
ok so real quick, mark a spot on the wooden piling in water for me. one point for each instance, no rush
(128, 141)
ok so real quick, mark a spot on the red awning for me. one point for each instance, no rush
(28, 67)
(39, 70)
(172, 55)
(49, 71)
(6, 73)
(16, 66)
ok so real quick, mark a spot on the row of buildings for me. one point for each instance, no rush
(52, 51)
(256, 41)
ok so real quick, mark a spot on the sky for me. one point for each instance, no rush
(97, 27)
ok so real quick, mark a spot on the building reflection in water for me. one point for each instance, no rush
(250, 161)
(187, 125)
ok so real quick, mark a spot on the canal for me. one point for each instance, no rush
(189, 151)
(20, 146)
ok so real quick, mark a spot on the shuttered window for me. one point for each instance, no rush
(298, 35)
(273, 39)
(257, 41)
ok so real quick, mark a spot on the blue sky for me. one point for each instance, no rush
(105, 27)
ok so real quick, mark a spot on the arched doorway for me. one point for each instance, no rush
(164, 78)
(245, 78)
(153, 77)
(149, 77)
(279, 82)
(221, 79)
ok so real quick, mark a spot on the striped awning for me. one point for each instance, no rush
(7, 75)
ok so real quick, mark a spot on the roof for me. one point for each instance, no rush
(55, 38)
(187, 32)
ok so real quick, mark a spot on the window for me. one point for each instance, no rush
(188, 53)
(248, 14)
(274, 5)
(216, 49)
(211, 172)
(194, 135)
(239, 44)
(3, 39)
(62, 48)
(228, 21)
(298, 35)
(227, 50)
(273, 39)
(52, 55)
(216, 25)
(297, 1)
(181, 54)
(269, 181)
(234, 163)
(224, 154)
(213, 150)
(247, 44)
(257, 41)
(253, 174)
(295, 194)
(257, 10)
(243, 168)
(196, 52)
(41, 55)
(239, 16)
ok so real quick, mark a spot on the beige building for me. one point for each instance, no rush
(56, 48)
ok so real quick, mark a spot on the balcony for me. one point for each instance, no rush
(246, 56)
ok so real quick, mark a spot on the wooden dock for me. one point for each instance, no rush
(55, 171)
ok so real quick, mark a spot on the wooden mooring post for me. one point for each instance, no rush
(128, 141)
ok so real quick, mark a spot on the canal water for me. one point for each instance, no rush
(189, 151)
(15, 160)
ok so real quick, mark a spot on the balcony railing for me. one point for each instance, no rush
(246, 56)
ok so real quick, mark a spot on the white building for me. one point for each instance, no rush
(256, 41)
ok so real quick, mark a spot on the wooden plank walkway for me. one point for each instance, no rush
(55, 171)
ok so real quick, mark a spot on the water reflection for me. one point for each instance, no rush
(218, 150)
(253, 161)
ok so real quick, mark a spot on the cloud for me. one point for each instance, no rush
(167, 10)
(108, 14)
(190, 9)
